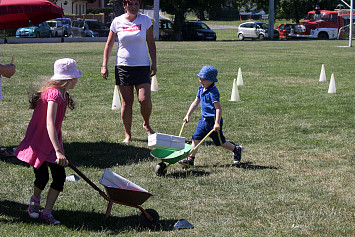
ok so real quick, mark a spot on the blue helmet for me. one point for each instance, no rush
(209, 73)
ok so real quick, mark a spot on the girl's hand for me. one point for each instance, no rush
(61, 159)
(217, 127)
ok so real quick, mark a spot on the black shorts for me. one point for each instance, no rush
(128, 76)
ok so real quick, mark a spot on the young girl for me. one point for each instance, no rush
(42, 145)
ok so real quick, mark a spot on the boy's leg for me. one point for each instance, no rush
(237, 150)
(189, 162)
(228, 145)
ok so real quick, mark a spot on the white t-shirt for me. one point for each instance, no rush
(132, 45)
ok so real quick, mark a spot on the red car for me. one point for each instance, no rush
(284, 29)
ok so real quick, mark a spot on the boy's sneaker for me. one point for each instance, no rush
(188, 163)
(238, 150)
(49, 218)
(33, 209)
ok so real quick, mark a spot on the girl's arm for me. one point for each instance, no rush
(107, 53)
(152, 51)
(192, 108)
(217, 106)
(53, 136)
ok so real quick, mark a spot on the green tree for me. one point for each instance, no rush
(179, 8)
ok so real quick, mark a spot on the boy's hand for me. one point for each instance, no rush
(217, 127)
(186, 119)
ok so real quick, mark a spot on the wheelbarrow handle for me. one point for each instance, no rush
(208, 134)
(182, 128)
(103, 194)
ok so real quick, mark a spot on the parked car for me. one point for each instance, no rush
(197, 30)
(254, 30)
(66, 22)
(89, 28)
(285, 29)
(40, 30)
(56, 28)
(166, 29)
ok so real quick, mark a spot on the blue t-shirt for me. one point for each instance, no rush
(208, 97)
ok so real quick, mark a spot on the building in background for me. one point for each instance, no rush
(76, 7)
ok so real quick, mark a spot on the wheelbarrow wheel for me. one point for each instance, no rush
(160, 169)
(150, 223)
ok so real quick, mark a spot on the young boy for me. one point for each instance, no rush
(211, 111)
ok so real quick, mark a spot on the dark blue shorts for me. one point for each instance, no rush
(204, 126)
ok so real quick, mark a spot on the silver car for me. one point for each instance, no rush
(253, 30)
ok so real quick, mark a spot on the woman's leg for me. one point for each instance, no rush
(127, 98)
(144, 98)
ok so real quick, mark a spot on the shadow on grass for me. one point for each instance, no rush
(99, 154)
(248, 166)
(79, 220)
(187, 173)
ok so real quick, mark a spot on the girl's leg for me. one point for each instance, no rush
(58, 175)
(41, 180)
(51, 199)
(127, 98)
(144, 98)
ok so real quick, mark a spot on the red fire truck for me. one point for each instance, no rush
(321, 24)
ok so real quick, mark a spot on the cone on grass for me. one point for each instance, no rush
(116, 102)
(322, 76)
(332, 88)
(154, 85)
(235, 93)
(240, 78)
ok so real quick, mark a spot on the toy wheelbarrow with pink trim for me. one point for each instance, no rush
(172, 157)
(122, 191)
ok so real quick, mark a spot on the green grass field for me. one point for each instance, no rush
(298, 168)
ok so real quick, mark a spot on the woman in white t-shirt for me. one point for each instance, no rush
(132, 68)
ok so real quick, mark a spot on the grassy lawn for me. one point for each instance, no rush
(298, 168)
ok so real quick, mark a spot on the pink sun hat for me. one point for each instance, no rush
(65, 69)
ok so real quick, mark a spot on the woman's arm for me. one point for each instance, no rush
(53, 136)
(152, 51)
(107, 53)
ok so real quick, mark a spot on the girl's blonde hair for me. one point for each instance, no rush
(35, 96)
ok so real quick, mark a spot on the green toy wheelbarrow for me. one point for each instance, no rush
(172, 157)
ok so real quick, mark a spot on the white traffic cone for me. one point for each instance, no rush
(116, 102)
(322, 76)
(240, 78)
(235, 93)
(332, 88)
(154, 85)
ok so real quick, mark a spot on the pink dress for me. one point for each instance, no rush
(36, 147)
